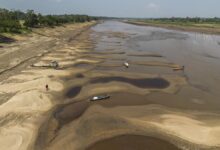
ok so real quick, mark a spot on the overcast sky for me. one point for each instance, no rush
(120, 8)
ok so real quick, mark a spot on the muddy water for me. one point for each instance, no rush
(152, 53)
(133, 142)
(142, 83)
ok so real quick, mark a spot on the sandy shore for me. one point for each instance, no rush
(24, 98)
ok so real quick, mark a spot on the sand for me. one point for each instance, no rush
(98, 123)
(22, 114)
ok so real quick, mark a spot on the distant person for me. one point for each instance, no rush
(47, 87)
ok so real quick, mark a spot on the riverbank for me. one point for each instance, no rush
(189, 28)
(24, 99)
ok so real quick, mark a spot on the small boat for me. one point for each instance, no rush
(179, 68)
(126, 64)
(101, 97)
(52, 64)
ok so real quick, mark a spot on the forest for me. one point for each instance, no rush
(16, 21)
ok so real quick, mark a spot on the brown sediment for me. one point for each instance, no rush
(132, 142)
(70, 112)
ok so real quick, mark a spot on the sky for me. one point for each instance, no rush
(120, 8)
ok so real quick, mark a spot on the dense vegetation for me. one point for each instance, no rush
(18, 21)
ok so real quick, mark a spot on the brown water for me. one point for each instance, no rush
(142, 83)
(74, 91)
(133, 142)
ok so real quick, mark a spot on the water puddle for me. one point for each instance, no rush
(158, 83)
(73, 92)
(133, 142)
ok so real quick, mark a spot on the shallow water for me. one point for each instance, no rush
(74, 91)
(133, 142)
(199, 53)
(157, 83)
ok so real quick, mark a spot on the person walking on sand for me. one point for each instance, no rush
(47, 87)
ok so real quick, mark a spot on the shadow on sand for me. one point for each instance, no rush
(4, 39)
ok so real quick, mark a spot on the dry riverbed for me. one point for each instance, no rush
(151, 105)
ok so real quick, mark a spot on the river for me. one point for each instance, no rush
(155, 101)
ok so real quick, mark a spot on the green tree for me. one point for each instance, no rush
(31, 19)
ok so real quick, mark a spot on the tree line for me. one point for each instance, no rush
(188, 20)
(17, 21)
